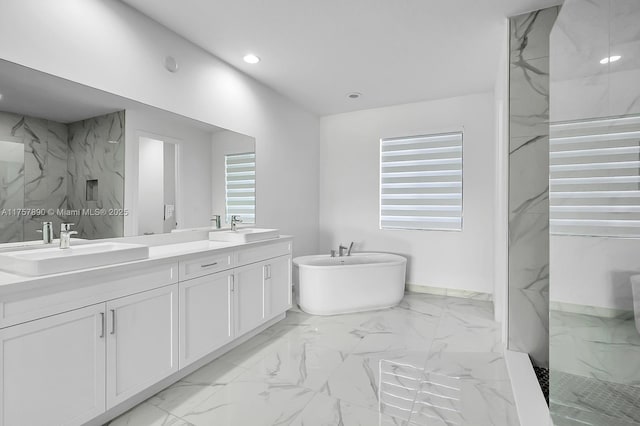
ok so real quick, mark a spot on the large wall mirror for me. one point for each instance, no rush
(112, 166)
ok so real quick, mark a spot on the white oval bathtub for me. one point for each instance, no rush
(336, 285)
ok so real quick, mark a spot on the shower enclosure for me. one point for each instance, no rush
(594, 204)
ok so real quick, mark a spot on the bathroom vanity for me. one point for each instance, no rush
(82, 347)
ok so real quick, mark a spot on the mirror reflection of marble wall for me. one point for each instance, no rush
(58, 160)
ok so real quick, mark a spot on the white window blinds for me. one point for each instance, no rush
(421, 182)
(595, 177)
(240, 186)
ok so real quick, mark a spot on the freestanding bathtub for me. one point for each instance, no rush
(328, 285)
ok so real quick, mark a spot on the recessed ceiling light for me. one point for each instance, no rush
(113, 142)
(251, 59)
(613, 58)
(354, 95)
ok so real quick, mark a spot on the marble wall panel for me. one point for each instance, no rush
(44, 173)
(528, 184)
(93, 156)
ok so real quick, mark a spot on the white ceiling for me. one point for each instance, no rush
(317, 51)
(37, 94)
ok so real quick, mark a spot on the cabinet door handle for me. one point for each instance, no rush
(102, 325)
(209, 264)
(113, 321)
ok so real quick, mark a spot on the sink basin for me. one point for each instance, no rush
(54, 260)
(245, 235)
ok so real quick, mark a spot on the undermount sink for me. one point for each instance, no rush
(54, 260)
(245, 235)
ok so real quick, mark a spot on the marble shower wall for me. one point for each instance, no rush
(58, 160)
(96, 153)
(528, 184)
(42, 182)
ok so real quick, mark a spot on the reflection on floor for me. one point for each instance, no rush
(602, 348)
(577, 400)
(595, 370)
(432, 360)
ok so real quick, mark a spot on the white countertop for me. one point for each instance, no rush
(14, 283)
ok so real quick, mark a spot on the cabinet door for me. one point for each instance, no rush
(205, 315)
(278, 286)
(142, 341)
(53, 369)
(249, 297)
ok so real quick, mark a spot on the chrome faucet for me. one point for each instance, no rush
(47, 232)
(342, 249)
(65, 235)
(216, 221)
(235, 220)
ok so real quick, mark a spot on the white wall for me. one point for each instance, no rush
(109, 46)
(224, 143)
(193, 195)
(349, 189)
(593, 271)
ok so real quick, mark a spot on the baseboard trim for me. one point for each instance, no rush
(594, 311)
(453, 292)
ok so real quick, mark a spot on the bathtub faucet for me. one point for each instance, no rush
(342, 248)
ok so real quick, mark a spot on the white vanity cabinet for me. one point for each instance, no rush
(277, 286)
(206, 315)
(249, 297)
(53, 369)
(68, 368)
(80, 348)
(142, 341)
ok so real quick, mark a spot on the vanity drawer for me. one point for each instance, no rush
(263, 252)
(205, 265)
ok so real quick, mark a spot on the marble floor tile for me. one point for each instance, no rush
(603, 348)
(359, 379)
(324, 410)
(148, 415)
(196, 388)
(248, 403)
(452, 401)
(591, 401)
(481, 366)
(432, 360)
(423, 303)
(305, 365)
(465, 333)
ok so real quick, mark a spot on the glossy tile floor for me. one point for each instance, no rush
(432, 360)
(579, 401)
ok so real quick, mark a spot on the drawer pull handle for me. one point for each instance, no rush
(102, 325)
(209, 264)
(113, 321)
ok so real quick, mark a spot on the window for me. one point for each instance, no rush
(421, 182)
(595, 177)
(240, 186)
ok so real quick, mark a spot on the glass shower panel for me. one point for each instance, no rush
(595, 213)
